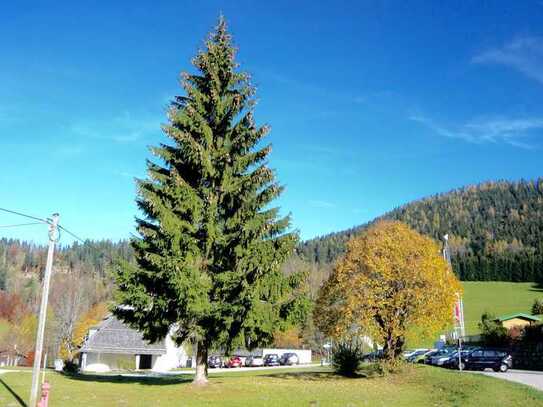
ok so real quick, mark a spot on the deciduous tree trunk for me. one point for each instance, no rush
(393, 347)
(201, 364)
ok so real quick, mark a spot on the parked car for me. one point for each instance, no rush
(271, 359)
(452, 361)
(481, 359)
(418, 355)
(413, 352)
(254, 361)
(234, 361)
(373, 356)
(443, 358)
(440, 357)
(214, 361)
(289, 359)
(426, 359)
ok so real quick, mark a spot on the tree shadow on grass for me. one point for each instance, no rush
(15, 395)
(313, 376)
(537, 287)
(121, 379)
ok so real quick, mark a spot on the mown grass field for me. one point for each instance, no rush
(499, 298)
(416, 386)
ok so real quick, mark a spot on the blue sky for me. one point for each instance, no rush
(372, 104)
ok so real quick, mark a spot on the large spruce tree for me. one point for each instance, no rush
(210, 247)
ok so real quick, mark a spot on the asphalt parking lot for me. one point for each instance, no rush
(530, 378)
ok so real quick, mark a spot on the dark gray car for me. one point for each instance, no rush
(289, 359)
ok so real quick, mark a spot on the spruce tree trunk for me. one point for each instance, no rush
(201, 364)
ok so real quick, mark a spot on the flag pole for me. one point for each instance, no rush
(459, 319)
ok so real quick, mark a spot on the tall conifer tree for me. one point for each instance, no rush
(210, 246)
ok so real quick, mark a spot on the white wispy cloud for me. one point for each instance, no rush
(124, 128)
(517, 132)
(321, 204)
(525, 54)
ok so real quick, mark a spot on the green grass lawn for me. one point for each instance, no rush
(416, 386)
(498, 298)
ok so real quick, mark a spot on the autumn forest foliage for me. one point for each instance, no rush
(80, 290)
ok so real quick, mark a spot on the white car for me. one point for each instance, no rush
(289, 359)
(254, 361)
(409, 353)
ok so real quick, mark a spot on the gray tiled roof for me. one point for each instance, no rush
(114, 336)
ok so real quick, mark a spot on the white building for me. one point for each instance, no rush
(113, 345)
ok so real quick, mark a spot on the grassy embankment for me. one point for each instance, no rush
(416, 386)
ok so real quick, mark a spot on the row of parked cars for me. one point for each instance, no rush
(272, 359)
(498, 360)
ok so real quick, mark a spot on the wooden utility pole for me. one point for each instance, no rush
(53, 237)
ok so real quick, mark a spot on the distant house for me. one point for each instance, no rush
(113, 345)
(518, 319)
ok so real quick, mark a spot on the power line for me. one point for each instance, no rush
(24, 215)
(47, 221)
(71, 234)
(89, 244)
(21, 224)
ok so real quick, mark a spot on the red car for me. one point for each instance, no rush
(234, 361)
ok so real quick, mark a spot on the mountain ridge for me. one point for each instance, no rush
(495, 228)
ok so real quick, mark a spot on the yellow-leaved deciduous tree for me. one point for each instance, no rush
(391, 281)
(291, 338)
(25, 334)
(89, 319)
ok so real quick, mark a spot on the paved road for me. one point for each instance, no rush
(188, 371)
(219, 370)
(531, 378)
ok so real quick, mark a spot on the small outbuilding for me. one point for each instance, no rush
(518, 319)
(113, 345)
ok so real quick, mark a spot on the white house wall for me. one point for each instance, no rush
(105, 362)
(174, 357)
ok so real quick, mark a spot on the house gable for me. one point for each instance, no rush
(114, 336)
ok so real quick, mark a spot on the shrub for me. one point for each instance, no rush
(533, 334)
(492, 331)
(70, 367)
(346, 357)
(537, 307)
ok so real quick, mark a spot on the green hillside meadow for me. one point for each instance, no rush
(499, 298)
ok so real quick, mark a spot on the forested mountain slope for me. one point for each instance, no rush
(495, 229)
(23, 260)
